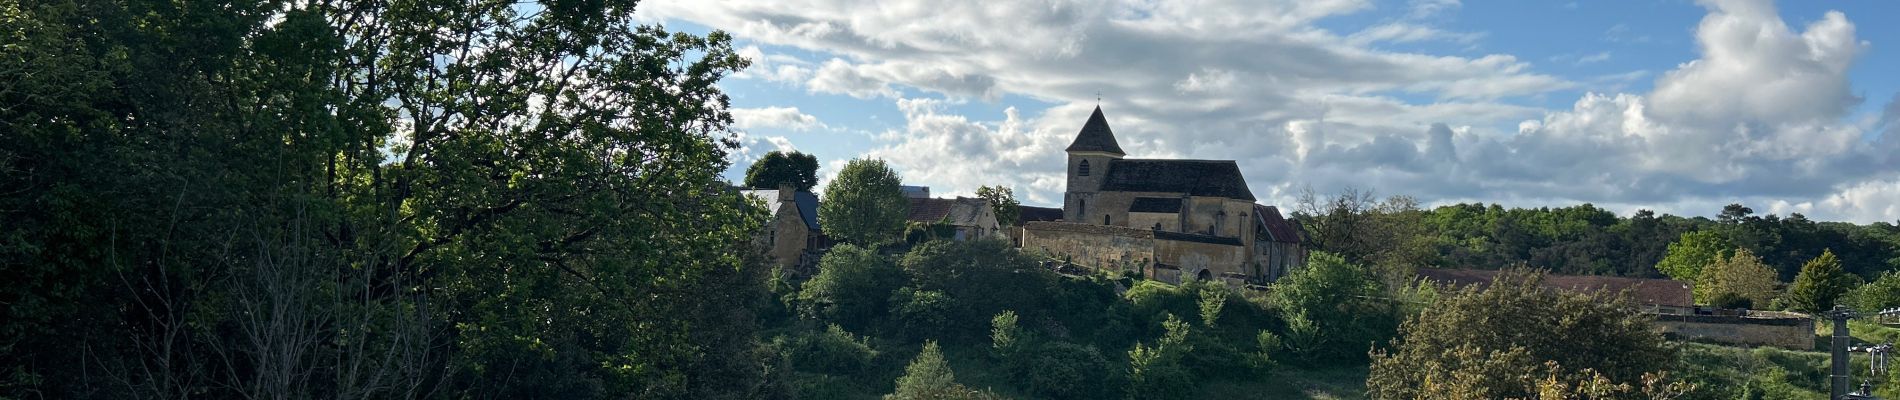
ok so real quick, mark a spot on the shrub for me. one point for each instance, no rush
(832, 351)
(1062, 370)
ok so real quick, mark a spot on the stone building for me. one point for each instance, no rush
(792, 237)
(1167, 219)
(965, 218)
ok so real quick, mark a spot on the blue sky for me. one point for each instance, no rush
(1674, 105)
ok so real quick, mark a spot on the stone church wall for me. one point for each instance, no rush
(1109, 248)
(1193, 257)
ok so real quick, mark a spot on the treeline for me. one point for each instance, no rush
(369, 199)
(1577, 240)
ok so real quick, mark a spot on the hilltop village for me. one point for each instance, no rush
(1162, 219)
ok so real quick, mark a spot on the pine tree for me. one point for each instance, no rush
(1820, 285)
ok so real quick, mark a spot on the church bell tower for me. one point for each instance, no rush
(1089, 157)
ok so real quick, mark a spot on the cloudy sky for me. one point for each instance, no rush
(1673, 105)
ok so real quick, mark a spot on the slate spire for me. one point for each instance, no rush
(1096, 136)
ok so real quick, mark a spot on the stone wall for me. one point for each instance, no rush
(1192, 256)
(1785, 330)
(786, 236)
(1110, 249)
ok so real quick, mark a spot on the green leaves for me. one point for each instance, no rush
(864, 205)
(797, 169)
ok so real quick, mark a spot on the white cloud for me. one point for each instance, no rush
(1756, 118)
(774, 117)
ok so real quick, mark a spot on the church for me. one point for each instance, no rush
(1167, 220)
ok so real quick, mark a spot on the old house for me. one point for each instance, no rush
(791, 237)
(1167, 219)
(964, 218)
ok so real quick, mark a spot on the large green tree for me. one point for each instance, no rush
(1820, 285)
(367, 199)
(780, 167)
(1692, 252)
(1496, 342)
(1003, 201)
(1740, 275)
(1332, 305)
(864, 204)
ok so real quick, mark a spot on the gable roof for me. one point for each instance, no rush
(1212, 178)
(807, 204)
(1095, 135)
(1278, 228)
(961, 211)
(1647, 291)
(1156, 205)
(1026, 214)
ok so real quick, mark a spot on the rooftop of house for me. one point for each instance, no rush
(1027, 214)
(807, 204)
(1277, 227)
(961, 211)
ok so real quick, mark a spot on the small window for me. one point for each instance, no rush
(1104, 219)
(1083, 169)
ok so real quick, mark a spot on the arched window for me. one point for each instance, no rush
(1104, 219)
(1082, 170)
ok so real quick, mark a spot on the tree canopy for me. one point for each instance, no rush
(793, 168)
(1003, 201)
(1821, 284)
(864, 204)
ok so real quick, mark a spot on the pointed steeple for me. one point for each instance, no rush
(1096, 136)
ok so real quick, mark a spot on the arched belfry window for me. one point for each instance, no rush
(1082, 170)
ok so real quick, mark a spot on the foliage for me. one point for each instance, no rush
(793, 168)
(853, 287)
(1063, 370)
(864, 204)
(929, 378)
(1266, 344)
(1331, 304)
(1005, 335)
(1213, 298)
(1820, 285)
(1003, 200)
(985, 277)
(920, 313)
(1156, 372)
(1741, 273)
(368, 199)
(832, 350)
(1883, 293)
(1496, 343)
(1693, 252)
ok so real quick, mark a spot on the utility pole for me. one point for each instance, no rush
(1837, 374)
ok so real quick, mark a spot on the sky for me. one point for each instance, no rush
(1675, 106)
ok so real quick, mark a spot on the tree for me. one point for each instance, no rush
(1003, 201)
(1156, 372)
(778, 167)
(1331, 303)
(1496, 342)
(368, 199)
(1693, 251)
(853, 287)
(1741, 274)
(1820, 285)
(929, 378)
(1883, 293)
(864, 205)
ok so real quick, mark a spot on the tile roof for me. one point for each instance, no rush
(1648, 291)
(1156, 205)
(807, 204)
(1278, 228)
(1026, 214)
(1095, 135)
(1212, 178)
(961, 211)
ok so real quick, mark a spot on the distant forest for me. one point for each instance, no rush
(1578, 240)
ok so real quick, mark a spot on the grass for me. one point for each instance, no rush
(1315, 384)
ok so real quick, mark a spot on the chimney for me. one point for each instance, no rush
(785, 192)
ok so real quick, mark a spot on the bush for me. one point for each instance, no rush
(832, 351)
(1062, 370)
(920, 313)
(1332, 310)
(853, 287)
